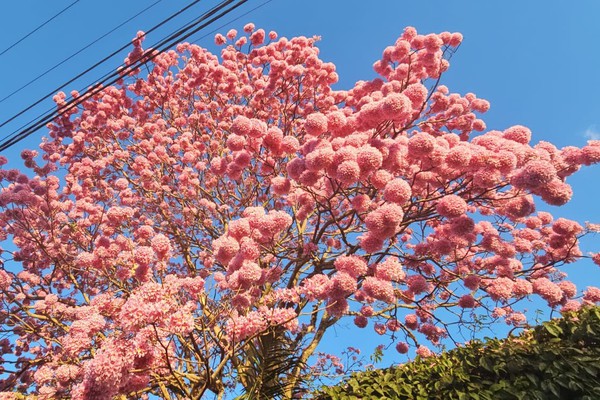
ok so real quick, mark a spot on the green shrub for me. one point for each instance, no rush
(559, 359)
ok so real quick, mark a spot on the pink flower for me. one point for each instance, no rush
(498, 312)
(380, 328)
(385, 220)
(218, 165)
(348, 172)
(396, 106)
(479, 125)
(273, 139)
(370, 242)
(241, 301)
(480, 105)
(417, 94)
(516, 319)
(518, 133)
(319, 159)
(121, 184)
(336, 121)
(289, 144)
(369, 159)
(379, 289)
(258, 37)
(411, 321)
(224, 248)
(421, 144)
(242, 327)
(417, 284)
(249, 273)
(361, 203)
(564, 226)
(316, 287)
(316, 124)
(343, 284)
(235, 142)
(570, 305)
(390, 270)
(380, 178)
(280, 185)
(309, 178)
(278, 220)
(397, 191)
(522, 288)
(258, 128)
(402, 347)
(451, 206)
(568, 288)
(592, 294)
(466, 301)
(590, 154)
(424, 352)
(518, 207)
(296, 167)
(337, 307)
(500, 288)
(161, 245)
(241, 126)
(220, 39)
(231, 34)
(354, 266)
(556, 193)
(462, 225)
(458, 157)
(393, 325)
(472, 282)
(360, 321)
(144, 255)
(238, 229)
(534, 175)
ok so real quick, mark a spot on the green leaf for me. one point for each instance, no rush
(553, 329)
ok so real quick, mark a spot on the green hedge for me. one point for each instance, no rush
(559, 359)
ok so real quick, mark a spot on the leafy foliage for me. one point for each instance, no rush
(556, 360)
(266, 366)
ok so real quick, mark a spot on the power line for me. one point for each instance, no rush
(167, 43)
(53, 91)
(39, 27)
(228, 23)
(78, 52)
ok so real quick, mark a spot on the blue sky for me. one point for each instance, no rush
(537, 64)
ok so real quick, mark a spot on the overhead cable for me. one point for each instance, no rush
(228, 23)
(78, 52)
(39, 27)
(114, 53)
(162, 46)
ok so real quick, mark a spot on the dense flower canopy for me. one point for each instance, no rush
(175, 221)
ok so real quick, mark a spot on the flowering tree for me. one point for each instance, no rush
(200, 228)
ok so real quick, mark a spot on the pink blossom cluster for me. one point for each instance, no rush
(239, 249)
(242, 327)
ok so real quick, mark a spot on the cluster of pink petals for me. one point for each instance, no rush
(385, 220)
(379, 289)
(390, 270)
(242, 327)
(354, 266)
(451, 206)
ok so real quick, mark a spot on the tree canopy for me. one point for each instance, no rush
(199, 226)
